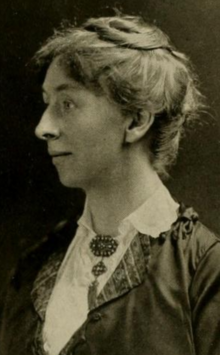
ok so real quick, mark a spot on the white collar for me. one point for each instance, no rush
(153, 217)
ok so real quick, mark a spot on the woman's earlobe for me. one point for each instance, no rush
(138, 127)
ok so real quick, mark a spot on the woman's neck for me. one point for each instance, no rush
(110, 204)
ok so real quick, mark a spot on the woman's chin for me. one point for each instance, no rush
(68, 181)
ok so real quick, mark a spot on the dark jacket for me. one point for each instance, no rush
(163, 298)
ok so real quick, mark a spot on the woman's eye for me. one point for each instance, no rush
(68, 105)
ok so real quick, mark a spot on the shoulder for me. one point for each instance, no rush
(200, 250)
(203, 239)
(196, 241)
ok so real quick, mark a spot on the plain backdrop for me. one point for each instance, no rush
(32, 200)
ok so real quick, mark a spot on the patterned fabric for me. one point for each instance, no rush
(130, 271)
(44, 284)
(41, 293)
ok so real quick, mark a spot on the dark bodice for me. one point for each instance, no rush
(162, 299)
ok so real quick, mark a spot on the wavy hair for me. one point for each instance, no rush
(135, 63)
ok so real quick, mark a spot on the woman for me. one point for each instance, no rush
(135, 273)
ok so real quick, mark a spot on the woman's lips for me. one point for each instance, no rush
(60, 155)
(56, 156)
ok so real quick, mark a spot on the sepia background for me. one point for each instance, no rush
(32, 200)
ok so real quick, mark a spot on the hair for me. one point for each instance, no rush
(135, 63)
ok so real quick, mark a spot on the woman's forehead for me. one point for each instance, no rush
(58, 79)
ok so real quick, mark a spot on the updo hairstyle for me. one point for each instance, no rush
(135, 63)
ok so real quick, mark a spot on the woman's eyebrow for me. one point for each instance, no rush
(63, 87)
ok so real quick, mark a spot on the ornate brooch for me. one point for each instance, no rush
(101, 246)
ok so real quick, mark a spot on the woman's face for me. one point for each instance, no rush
(84, 131)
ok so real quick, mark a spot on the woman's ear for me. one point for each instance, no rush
(138, 126)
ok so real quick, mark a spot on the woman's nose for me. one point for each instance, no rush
(46, 129)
